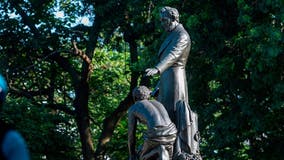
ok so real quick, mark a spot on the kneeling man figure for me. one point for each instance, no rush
(160, 135)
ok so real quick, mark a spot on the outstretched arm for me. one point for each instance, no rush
(173, 52)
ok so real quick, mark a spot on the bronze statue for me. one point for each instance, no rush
(161, 132)
(173, 92)
(173, 56)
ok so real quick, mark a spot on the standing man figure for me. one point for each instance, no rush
(12, 144)
(161, 132)
(173, 92)
(173, 56)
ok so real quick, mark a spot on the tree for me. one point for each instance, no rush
(34, 35)
(237, 64)
(38, 39)
(70, 73)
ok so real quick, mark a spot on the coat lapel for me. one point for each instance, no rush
(168, 40)
(164, 45)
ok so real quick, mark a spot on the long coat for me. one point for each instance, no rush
(173, 56)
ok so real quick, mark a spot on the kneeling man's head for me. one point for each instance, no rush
(141, 93)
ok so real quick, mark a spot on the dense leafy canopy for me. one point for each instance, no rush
(71, 66)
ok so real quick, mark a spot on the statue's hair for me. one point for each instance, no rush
(141, 93)
(170, 12)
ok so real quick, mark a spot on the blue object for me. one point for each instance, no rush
(3, 88)
(14, 146)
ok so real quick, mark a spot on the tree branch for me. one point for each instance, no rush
(62, 108)
(30, 95)
(109, 125)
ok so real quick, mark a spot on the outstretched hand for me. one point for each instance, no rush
(151, 71)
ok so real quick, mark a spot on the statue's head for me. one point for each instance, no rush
(169, 18)
(141, 93)
(3, 89)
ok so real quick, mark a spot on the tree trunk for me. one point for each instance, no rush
(82, 96)
(83, 122)
(111, 121)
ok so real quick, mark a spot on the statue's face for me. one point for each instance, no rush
(166, 23)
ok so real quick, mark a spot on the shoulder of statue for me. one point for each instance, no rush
(155, 102)
(144, 102)
(178, 27)
(136, 104)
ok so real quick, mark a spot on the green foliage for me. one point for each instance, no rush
(235, 68)
(235, 71)
(111, 74)
(42, 129)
